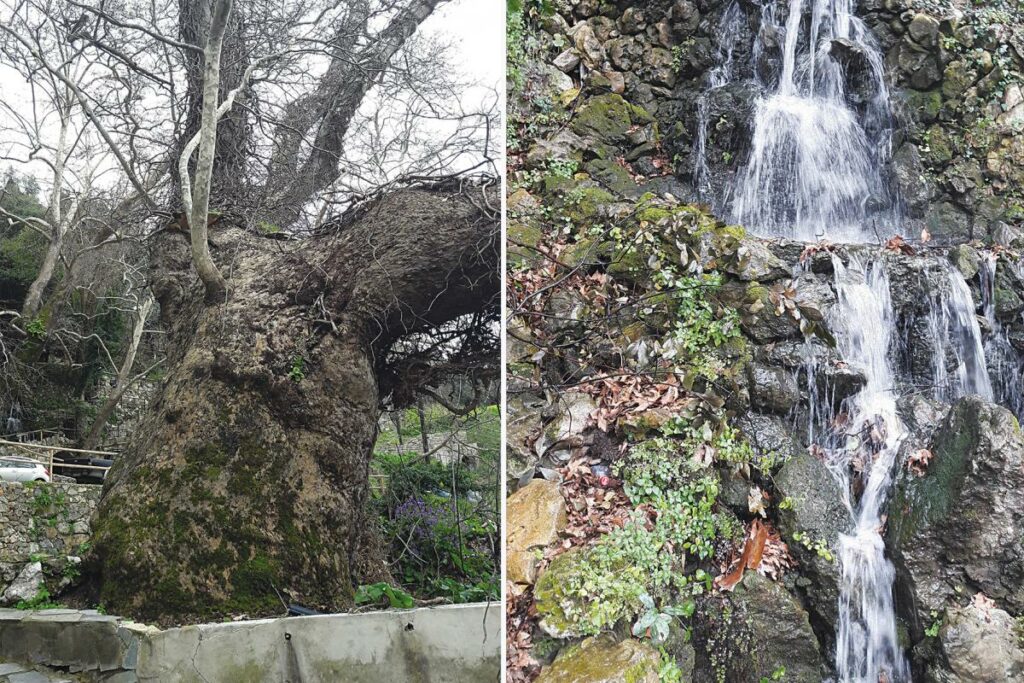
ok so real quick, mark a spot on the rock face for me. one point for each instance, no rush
(26, 586)
(756, 631)
(534, 515)
(50, 521)
(602, 660)
(979, 644)
(816, 511)
(960, 528)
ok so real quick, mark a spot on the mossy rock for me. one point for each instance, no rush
(563, 615)
(925, 105)
(608, 118)
(603, 660)
(522, 242)
(585, 203)
(613, 176)
(966, 260)
(757, 631)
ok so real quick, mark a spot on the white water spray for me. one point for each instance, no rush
(953, 325)
(814, 169)
(867, 648)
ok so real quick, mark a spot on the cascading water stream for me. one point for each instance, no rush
(953, 325)
(1005, 364)
(867, 648)
(815, 169)
(815, 163)
(717, 77)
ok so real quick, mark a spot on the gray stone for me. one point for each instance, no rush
(567, 61)
(924, 30)
(766, 629)
(26, 586)
(960, 525)
(979, 644)
(772, 390)
(814, 509)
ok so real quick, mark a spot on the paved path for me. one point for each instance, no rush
(17, 673)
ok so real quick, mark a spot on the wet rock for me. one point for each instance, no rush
(966, 259)
(767, 325)
(959, 527)
(769, 435)
(814, 511)
(909, 176)
(757, 262)
(979, 644)
(948, 222)
(755, 632)
(924, 30)
(603, 660)
(685, 17)
(772, 389)
(535, 515)
(27, 584)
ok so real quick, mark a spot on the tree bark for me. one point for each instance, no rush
(250, 477)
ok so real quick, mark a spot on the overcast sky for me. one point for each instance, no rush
(476, 29)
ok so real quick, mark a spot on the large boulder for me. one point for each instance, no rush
(959, 529)
(978, 644)
(813, 512)
(27, 584)
(602, 660)
(535, 514)
(756, 632)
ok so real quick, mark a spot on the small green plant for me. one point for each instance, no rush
(668, 670)
(378, 593)
(933, 630)
(297, 373)
(778, 675)
(266, 228)
(563, 168)
(817, 545)
(654, 622)
(40, 601)
(36, 327)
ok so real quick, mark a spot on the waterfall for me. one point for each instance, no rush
(818, 149)
(1005, 364)
(953, 325)
(717, 77)
(867, 647)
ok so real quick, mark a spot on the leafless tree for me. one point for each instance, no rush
(337, 259)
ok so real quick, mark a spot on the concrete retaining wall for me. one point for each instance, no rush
(455, 644)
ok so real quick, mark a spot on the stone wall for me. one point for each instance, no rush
(455, 644)
(46, 523)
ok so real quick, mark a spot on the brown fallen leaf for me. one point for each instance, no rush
(753, 552)
(918, 462)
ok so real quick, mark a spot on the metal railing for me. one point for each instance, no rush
(28, 447)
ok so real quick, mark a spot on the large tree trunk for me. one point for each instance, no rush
(250, 476)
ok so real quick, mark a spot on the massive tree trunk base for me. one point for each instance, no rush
(249, 487)
(246, 486)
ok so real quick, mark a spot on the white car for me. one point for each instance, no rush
(13, 468)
